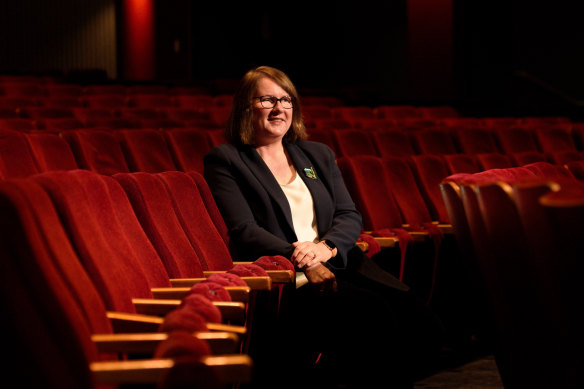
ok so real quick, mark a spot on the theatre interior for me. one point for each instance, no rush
(457, 126)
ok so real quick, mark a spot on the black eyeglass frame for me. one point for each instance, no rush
(274, 100)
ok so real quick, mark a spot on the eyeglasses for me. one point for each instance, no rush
(268, 101)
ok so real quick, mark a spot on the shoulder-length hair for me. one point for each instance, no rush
(239, 129)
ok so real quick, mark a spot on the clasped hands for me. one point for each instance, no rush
(309, 257)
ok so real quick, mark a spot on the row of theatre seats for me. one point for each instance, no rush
(127, 279)
(519, 230)
(61, 185)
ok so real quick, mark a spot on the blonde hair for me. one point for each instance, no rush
(239, 127)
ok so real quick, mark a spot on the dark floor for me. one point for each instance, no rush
(480, 373)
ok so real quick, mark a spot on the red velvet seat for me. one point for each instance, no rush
(353, 142)
(488, 161)
(476, 141)
(527, 157)
(576, 168)
(16, 158)
(51, 152)
(146, 100)
(351, 113)
(555, 139)
(563, 157)
(461, 163)
(53, 307)
(56, 124)
(516, 140)
(325, 137)
(97, 150)
(47, 112)
(517, 300)
(371, 195)
(111, 101)
(395, 143)
(434, 141)
(430, 170)
(18, 124)
(188, 147)
(146, 150)
(217, 137)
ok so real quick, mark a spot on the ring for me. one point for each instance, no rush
(313, 255)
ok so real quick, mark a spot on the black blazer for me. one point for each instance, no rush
(257, 212)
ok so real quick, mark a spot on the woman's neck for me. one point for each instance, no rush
(278, 161)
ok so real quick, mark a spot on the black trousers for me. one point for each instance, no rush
(373, 332)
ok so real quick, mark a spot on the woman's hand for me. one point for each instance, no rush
(321, 278)
(307, 254)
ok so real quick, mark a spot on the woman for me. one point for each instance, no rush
(283, 195)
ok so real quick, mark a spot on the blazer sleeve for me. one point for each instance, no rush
(346, 223)
(248, 240)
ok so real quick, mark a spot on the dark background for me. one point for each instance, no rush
(514, 57)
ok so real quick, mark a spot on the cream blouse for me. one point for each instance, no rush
(302, 207)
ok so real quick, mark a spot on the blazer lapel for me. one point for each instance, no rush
(260, 170)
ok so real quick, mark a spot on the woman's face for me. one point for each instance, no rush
(270, 124)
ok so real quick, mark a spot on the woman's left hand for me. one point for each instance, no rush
(307, 254)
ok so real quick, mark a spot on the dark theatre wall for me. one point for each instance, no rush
(498, 56)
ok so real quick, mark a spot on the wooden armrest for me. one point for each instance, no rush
(133, 323)
(281, 276)
(230, 310)
(255, 283)
(237, 293)
(138, 323)
(230, 369)
(364, 246)
(219, 342)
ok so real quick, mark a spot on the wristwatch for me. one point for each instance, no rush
(328, 244)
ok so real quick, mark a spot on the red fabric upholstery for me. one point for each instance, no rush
(476, 141)
(461, 163)
(563, 157)
(183, 320)
(548, 170)
(16, 158)
(371, 195)
(434, 141)
(494, 161)
(120, 266)
(42, 316)
(97, 150)
(188, 146)
(59, 124)
(51, 152)
(555, 139)
(146, 150)
(212, 290)
(323, 136)
(17, 124)
(527, 157)
(577, 169)
(200, 304)
(516, 140)
(406, 192)
(353, 142)
(197, 222)
(210, 205)
(429, 171)
(155, 212)
(395, 143)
